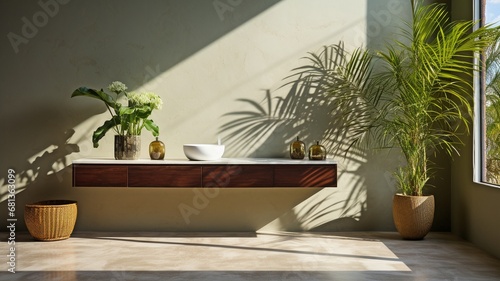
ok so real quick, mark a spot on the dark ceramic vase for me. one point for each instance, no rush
(127, 147)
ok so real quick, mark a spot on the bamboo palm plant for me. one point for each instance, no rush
(417, 98)
(415, 95)
(425, 90)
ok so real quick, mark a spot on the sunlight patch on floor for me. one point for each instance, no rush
(201, 252)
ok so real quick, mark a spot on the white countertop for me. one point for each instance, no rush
(225, 161)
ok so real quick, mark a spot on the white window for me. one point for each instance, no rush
(487, 103)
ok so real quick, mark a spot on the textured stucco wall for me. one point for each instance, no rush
(475, 206)
(201, 57)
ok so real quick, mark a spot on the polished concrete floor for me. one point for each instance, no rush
(249, 256)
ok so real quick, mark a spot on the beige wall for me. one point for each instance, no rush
(475, 207)
(200, 57)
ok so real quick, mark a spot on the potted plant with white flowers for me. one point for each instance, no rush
(130, 113)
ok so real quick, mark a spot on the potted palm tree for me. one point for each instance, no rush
(424, 98)
(417, 99)
(414, 96)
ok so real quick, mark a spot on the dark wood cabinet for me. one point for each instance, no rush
(100, 175)
(200, 174)
(237, 176)
(305, 175)
(164, 176)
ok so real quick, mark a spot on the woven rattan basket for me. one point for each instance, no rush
(413, 215)
(50, 220)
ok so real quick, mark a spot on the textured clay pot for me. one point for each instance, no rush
(413, 215)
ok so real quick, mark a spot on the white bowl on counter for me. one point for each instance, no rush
(203, 152)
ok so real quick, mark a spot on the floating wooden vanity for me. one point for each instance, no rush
(228, 172)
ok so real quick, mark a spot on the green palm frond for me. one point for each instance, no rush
(417, 99)
(427, 89)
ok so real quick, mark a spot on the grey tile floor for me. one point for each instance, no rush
(249, 256)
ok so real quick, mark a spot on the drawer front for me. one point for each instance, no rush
(164, 176)
(237, 176)
(100, 175)
(305, 176)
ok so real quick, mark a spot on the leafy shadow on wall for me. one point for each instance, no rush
(128, 41)
(320, 105)
(49, 166)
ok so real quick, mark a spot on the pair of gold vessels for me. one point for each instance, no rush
(298, 150)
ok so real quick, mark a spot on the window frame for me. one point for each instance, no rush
(479, 124)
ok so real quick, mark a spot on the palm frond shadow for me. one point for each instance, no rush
(315, 214)
(321, 103)
(52, 164)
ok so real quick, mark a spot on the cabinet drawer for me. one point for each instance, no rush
(305, 176)
(237, 176)
(100, 175)
(164, 176)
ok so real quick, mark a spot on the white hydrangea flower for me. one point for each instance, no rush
(154, 100)
(117, 87)
(145, 98)
(138, 99)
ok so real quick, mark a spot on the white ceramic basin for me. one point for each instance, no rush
(203, 151)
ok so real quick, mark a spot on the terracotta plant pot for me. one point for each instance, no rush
(413, 215)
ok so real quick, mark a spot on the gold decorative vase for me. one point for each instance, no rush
(297, 149)
(317, 152)
(157, 150)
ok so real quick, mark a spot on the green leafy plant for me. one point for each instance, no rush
(414, 96)
(128, 118)
(425, 90)
(417, 99)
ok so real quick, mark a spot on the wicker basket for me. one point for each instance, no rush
(413, 215)
(50, 220)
